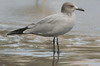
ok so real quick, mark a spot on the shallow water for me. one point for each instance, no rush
(30, 50)
(80, 47)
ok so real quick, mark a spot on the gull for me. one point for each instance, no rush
(53, 25)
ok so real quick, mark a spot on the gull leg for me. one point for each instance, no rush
(57, 45)
(54, 44)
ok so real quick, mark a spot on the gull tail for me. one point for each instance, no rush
(18, 31)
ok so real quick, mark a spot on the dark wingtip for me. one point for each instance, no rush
(18, 31)
(7, 34)
(10, 33)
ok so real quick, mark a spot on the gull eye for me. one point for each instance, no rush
(71, 6)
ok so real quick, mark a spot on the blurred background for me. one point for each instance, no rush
(79, 47)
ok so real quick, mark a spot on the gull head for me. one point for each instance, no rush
(70, 8)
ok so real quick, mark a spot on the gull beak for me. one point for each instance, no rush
(80, 9)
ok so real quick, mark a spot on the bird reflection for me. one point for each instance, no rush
(55, 59)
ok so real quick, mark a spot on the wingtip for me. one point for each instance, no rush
(10, 33)
(18, 31)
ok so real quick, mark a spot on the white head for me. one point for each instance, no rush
(69, 8)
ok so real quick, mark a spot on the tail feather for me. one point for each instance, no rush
(18, 31)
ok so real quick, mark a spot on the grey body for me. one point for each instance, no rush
(53, 25)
